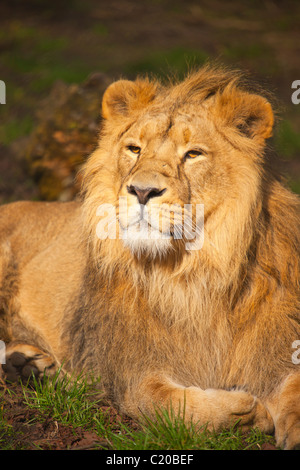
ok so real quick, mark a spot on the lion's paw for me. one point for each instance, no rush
(240, 408)
(287, 432)
(23, 361)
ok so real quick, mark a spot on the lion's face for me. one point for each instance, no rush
(174, 161)
(166, 165)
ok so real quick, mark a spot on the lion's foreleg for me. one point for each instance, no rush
(214, 409)
(284, 406)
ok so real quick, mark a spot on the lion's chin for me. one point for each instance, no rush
(143, 239)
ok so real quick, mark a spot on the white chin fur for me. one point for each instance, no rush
(141, 239)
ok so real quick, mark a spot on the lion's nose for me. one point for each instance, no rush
(144, 194)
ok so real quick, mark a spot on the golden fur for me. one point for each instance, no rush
(161, 324)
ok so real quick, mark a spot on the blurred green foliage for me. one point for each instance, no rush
(287, 140)
(162, 63)
(42, 41)
(15, 128)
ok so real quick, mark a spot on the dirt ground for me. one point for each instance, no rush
(30, 429)
(48, 434)
(45, 41)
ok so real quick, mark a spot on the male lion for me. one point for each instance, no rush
(210, 327)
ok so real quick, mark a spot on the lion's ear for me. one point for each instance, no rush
(125, 96)
(251, 114)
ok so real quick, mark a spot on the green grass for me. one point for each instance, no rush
(74, 403)
(6, 431)
(169, 431)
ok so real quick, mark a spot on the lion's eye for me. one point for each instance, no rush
(193, 154)
(134, 149)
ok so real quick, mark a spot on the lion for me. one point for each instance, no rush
(204, 320)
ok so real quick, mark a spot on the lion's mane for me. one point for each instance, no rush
(231, 300)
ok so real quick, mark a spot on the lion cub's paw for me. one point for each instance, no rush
(23, 361)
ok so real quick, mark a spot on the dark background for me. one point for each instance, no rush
(46, 46)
